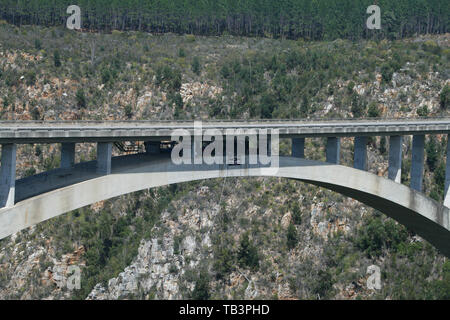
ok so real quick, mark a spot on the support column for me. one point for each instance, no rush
(152, 147)
(298, 147)
(196, 150)
(333, 150)
(447, 176)
(8, 175)
(417, 162)
(104, 152)
(360, 153)
(395, 158)
(67, 155)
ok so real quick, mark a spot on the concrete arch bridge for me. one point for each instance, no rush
(34, 199)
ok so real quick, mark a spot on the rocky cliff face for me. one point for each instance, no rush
(160, 265)
(189, 239)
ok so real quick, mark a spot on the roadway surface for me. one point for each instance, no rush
(114, 131)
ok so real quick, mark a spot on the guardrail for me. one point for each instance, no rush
(309, 120)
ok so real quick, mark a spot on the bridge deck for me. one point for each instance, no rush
(111, 131)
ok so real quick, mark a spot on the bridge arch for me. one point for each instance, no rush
(426, 217)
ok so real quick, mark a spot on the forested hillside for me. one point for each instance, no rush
(227, 238)
(308, 19)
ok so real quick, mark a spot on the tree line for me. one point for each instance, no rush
(307, 19)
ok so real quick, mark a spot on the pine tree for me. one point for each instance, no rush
(248, 253)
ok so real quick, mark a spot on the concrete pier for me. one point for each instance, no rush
(360, 153)
(67, 155)
(447, 176)
(104, 152)
(395, 158)
(8, 175)
(417, 162)
(333, 150)
(298, 148)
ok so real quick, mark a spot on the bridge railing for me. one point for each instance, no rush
(26, 123)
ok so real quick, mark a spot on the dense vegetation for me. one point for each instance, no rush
(54, 73)
(309, 19)
(270, 79)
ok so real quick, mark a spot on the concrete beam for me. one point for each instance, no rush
(417, 162)
(298, 148)
(104, 152)
(79, 131)
(360, 153)
(395, 158)
(333, 150)
(8, 175)
(67, 155)
(447, 176)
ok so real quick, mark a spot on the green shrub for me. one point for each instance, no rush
(12, 78)
(37, 44)
(248, 253)
(350, 87)
(304, 107)
(178, 100)
(432, 47)
(296, 214)
(432, 153)
(30, 77)
(168, 78)
(376, 235)
(291, 237)
(223, 261)
(445, 97)
(268, 105)
(201, 289)
(181, 53)
(357, 108)
(373, 111)
(81, 99)
(176, 244)
(437, 191)
(324, 283)
(196, 68)
(225, 71)
(423, 111)
(128, 109)
(57, 58)
(190, 38)
(386, 73)
(440, 288)
(35, 113)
